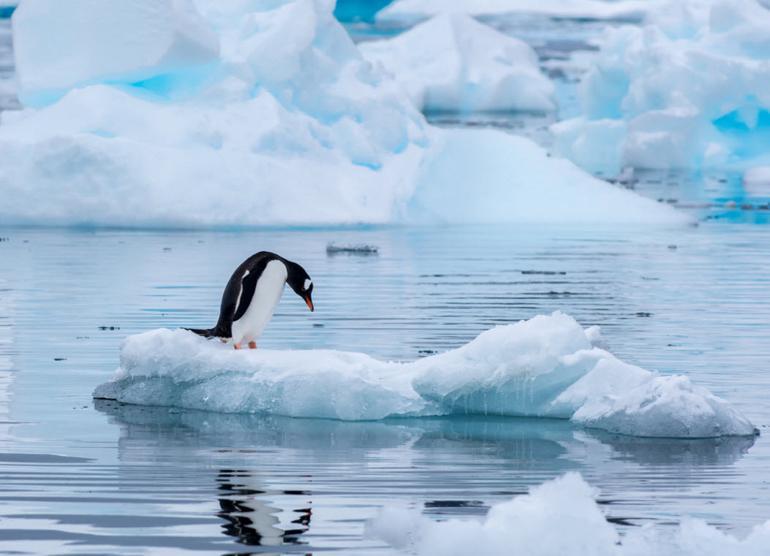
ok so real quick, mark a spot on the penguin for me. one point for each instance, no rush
(251, 296)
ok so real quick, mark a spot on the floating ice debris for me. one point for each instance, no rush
(548, 366)
(568, 505)
(453, 63)
(352, 249)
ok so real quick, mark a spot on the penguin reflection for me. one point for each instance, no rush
(249, 519)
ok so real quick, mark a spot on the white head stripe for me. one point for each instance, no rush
(308, 283)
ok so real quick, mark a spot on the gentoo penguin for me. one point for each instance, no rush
(251, 295)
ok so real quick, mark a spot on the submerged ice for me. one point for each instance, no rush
(548, 366)
(250, 113)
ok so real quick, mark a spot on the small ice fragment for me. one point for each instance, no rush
(352, 249)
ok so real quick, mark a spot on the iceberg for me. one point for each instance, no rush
(567, 504)
(453, 63)
(686, 90)
(410, 10)
(548, 366)
(199, 128)
(147, 39)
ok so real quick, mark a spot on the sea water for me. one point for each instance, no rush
(79, 476)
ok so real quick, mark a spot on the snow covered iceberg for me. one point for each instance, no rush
(547, 367)
(287, 125)
(454, 63)
(60, 45)
(689, 89)
(568, 505)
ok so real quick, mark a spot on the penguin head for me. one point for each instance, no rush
(300, 282)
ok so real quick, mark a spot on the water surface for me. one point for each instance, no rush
(79, 477)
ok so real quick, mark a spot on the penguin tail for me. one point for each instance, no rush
(205, 332)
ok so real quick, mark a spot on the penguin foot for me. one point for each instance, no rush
(236, 346)
(252, 345)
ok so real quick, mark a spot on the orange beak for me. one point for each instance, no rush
(309, 303)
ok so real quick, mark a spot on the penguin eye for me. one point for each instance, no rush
(308, 284)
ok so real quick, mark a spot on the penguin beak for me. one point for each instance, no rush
(309, 302)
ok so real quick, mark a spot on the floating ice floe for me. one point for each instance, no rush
(286, 125)
(410, 10)
(567, 505)
(454, 63)
(686, 90)
(547, 366)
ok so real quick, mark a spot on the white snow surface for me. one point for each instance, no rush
(547, 366)
(454, 63)
(566, 505)
(310, 134)
(409, 10)
(686, 90)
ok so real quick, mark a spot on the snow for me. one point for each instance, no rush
(686, 90)
(409, 10)
(312, 134)
(454, 63)
(568, 505)
(548, 366)
(147, 38)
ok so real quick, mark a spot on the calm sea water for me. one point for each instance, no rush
(78, 477)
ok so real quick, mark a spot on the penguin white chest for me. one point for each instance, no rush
(267, 293)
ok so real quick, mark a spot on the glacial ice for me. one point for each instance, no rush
(548, 366)
(511, 179)
(158, 39)
(310, 134)
(410, 10)
(686, 90)
(568, 505)
(454, 63)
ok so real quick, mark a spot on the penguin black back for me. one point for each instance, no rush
(239, 291)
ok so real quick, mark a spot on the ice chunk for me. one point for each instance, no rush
(454, 63)
(658, 406)
(687, 90)
(546, 366)
(568, 505)
(60, 45)
(351, 249)
(580, 9)
(177, 368)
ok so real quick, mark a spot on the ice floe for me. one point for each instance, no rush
(173, 134)
(686, 90)
(454, 63)
(409, 10)
(547, 366)
(567, 505)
